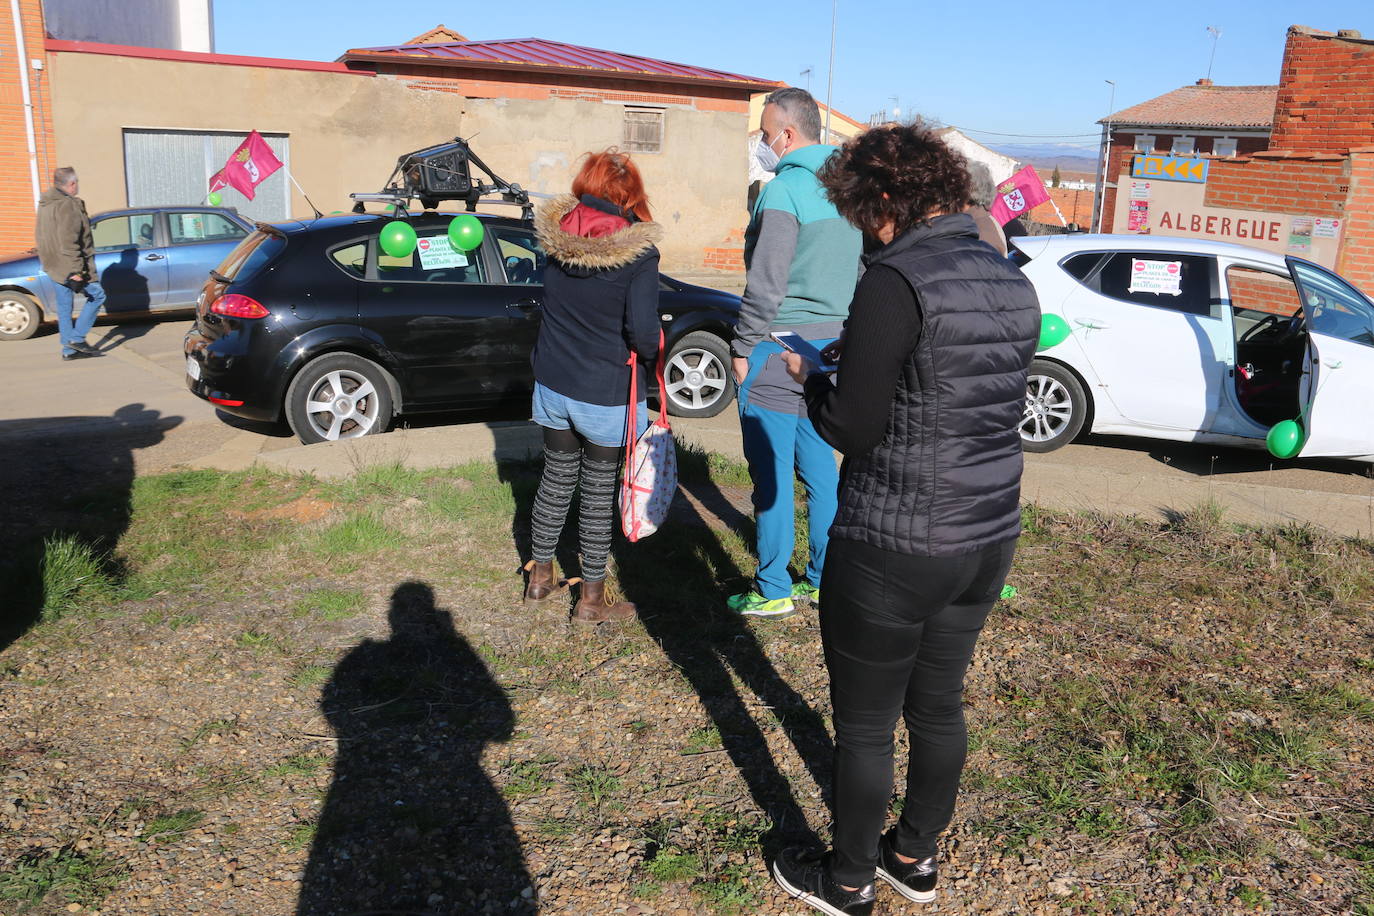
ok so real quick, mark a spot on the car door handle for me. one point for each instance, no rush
(525, 305)
(1092, 324)
(154, 257)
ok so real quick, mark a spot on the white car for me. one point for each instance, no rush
(1197, 341)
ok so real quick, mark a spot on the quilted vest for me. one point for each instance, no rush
(946, 478)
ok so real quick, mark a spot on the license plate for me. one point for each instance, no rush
(193, 369)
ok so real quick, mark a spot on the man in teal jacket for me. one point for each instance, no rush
(802, 263)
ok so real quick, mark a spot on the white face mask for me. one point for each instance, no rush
(764, 154)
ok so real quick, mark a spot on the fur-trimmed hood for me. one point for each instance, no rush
(605, 253)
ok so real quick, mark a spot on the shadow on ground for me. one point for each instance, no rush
(678, 579)
(411, 823)
(67, 503)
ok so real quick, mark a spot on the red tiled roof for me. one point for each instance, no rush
(556, 56)
(1204, 106)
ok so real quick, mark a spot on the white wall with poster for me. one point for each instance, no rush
(1176, 208)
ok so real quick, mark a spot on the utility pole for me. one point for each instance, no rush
(896, 108)
(830, 75)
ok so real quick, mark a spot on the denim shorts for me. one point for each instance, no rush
(597, 423)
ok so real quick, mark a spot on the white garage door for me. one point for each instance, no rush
(173, 167)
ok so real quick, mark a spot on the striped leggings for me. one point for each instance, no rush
(568, 462)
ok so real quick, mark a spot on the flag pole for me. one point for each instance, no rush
(1058, 213)
(318, 214)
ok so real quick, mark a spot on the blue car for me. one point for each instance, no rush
(149, 259)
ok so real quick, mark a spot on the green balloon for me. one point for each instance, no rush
(215, 198)
(398, 238)
(1285, 439)
(1053, 331)
(465, 232)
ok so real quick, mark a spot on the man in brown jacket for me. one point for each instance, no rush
(67, 253)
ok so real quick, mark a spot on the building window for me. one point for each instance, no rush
(1183, 146)
(643, 130)
(1145, 143)
(1223, 146)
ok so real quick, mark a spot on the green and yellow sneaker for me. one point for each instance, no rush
(805, 591)
(752, 604)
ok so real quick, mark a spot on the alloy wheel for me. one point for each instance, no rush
(1049, 409)
(343, 404)
(695, 378)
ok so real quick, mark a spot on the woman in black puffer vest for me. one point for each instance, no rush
(926, 410)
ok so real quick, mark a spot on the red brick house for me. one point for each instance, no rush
(1317, 165)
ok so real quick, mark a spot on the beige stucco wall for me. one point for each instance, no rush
(347, 130)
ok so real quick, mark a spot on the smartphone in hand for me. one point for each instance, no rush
(803, 348)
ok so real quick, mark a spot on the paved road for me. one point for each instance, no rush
(136, 394)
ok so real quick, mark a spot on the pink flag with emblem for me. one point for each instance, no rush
(248, 166)
(1018, 195)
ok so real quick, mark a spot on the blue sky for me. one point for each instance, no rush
(1035, 70)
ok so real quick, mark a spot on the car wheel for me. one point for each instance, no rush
(698, 376)
(1056, 407)
(20, 316)
(339, 396)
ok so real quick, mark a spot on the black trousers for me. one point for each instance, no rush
(899, 632)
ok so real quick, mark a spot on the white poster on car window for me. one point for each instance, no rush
(1161, 277)
(192, 228)
(438, 251)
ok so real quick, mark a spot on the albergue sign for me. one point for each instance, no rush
(1228, 228)
(1180, 210)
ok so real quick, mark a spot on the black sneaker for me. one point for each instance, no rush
(81, 346)
(80, 354)
(913, 880)
(805, 876)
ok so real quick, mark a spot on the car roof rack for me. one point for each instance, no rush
(444, 172)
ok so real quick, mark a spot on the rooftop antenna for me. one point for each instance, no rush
(807, 73)
(1215, 32)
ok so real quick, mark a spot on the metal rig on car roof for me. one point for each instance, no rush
(444, 172)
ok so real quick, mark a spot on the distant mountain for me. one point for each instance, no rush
(1046, 156)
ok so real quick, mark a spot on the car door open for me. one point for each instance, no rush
(1337, 418)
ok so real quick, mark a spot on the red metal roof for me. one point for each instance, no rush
(1216, 107)
(541, 53)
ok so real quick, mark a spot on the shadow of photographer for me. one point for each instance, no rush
(412, 823)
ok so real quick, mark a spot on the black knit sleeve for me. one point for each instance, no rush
(883, 327)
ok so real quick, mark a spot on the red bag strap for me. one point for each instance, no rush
(631, 414)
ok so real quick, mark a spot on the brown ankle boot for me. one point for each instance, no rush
(541, 582)
(592, 606)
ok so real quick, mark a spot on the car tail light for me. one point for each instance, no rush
(227, 402)
(237, 306)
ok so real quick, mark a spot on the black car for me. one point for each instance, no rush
(312, 320)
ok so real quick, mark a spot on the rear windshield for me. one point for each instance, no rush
(250, 256)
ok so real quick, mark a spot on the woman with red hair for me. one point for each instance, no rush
(600, 306)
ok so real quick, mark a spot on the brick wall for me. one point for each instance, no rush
(1326, 93)
(16, 185)
(1076, 205)
(1356, 261)
(1253, 289)
(1273, 183)
(1123, 149)
(729, 255)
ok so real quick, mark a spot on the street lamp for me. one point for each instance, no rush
(1104, 162)
(830, 75)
